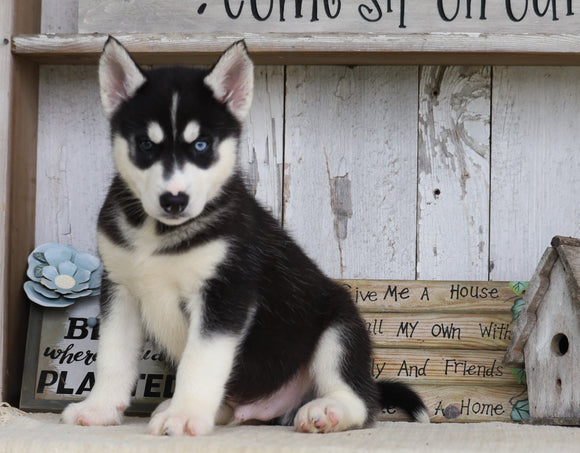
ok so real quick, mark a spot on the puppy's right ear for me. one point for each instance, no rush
(119, 76)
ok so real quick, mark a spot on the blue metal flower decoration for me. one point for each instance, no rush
(59, 275)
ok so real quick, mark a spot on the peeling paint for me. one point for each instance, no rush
(341, 201)
(253, 173)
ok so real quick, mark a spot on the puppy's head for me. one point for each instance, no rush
(175, 131)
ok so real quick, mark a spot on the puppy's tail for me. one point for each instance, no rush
(397, 394)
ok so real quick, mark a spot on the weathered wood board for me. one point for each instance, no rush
(440, 330)
(432, 296)
(473, 403)
(329, 15)
(445, 366)
(453, 174)
(534, 174)
(350, 166)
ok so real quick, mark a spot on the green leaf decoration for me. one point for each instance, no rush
(519, 287)
(517, 308)
(520, 411)
(39, 256)
(520, 374)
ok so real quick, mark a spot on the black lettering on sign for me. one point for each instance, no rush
(443, 12)
(469, 407)
(375, 327)
(68, 356)
(262, 10)
(394, 293)
(464, 368)
(404, 329)
(78, 329)
(459, 291)
(476, 408)
(377, 368)
(155, 385)
(374, 12)
(413, 370)
(539, 10)
(446, 331)
(495, 331)
(48, 378)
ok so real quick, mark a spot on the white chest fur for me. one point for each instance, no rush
(161, 284)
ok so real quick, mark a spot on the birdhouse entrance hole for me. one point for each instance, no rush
(560, 344)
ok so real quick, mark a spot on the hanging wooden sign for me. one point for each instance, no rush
(329, 16)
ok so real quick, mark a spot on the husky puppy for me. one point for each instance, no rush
(256, 331)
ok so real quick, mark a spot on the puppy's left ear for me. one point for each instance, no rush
(232, 80)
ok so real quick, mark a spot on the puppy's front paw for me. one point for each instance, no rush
(88, 413)
(321, 416)
(178, 422)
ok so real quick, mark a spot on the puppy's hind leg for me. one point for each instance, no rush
(338, 407)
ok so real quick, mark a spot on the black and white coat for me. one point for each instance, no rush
(193, 261)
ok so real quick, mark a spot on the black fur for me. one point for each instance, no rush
(266, 280)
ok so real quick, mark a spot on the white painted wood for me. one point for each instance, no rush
(535, 178)
(332, 16)
(350, 168)
(453, 177)
(74, 158)
(59, 16)
(262, 152)
(5, 111)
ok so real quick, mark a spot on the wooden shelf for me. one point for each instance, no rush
(322, 48)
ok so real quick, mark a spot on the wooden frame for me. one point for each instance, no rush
(18, 126)
(317, 48)
(22, 49)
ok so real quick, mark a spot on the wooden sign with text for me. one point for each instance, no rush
(302, 17)
(447, 339)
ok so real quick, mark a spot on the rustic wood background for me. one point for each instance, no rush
(407, 172)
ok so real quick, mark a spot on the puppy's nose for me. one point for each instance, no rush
(174, 204)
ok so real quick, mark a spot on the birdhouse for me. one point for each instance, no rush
(546, 336)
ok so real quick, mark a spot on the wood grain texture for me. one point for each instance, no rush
(465, 404)
(553, 370)
(5, 145)
(535, 167)
(440, 330)
(262, 151)
(454, 166)
(526, 322)
(349, 182)
(313, 48)
(431, 296)
(22, 102)
(59, 16)
(74, 162)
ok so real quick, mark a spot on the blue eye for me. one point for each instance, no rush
(145, 145)
(201, 145)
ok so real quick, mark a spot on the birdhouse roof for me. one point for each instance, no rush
(565, 250)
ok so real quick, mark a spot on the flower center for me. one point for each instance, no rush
(64, 281)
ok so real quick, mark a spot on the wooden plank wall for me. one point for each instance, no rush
(380, 172)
